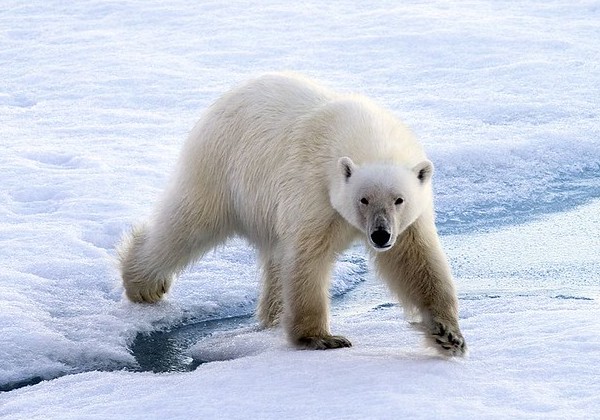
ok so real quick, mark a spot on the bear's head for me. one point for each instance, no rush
(381, 199)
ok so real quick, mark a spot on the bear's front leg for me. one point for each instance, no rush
(417, 270)
(305, 281)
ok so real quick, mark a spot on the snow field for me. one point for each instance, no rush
(96, 98)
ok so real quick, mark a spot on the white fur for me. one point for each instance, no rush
(269, 161)
(380, 185)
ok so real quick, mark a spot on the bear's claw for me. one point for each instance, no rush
(323, 342)
(449, 342)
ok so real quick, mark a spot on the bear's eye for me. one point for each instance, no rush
(399, 201)
(364, 201)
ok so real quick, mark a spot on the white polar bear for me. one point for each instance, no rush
(301, 172)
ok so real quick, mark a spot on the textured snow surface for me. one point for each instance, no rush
(96, 98)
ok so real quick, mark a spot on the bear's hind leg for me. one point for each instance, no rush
(141, 283)
(153, 254)
(270, 305)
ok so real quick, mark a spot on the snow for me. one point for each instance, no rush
(96, 99)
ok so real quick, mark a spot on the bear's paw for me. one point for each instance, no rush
(323, 342)
(447, 340)
(145, 291)
(443, 337)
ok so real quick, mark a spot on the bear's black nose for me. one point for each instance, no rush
(380, 237)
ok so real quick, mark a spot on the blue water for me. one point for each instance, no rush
(562, 192)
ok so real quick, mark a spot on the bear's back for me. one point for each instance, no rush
(273, 143)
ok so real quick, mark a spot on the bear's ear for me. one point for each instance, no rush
(346, 167)
(424, 171)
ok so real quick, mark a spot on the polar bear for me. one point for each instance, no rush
(301, 172)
